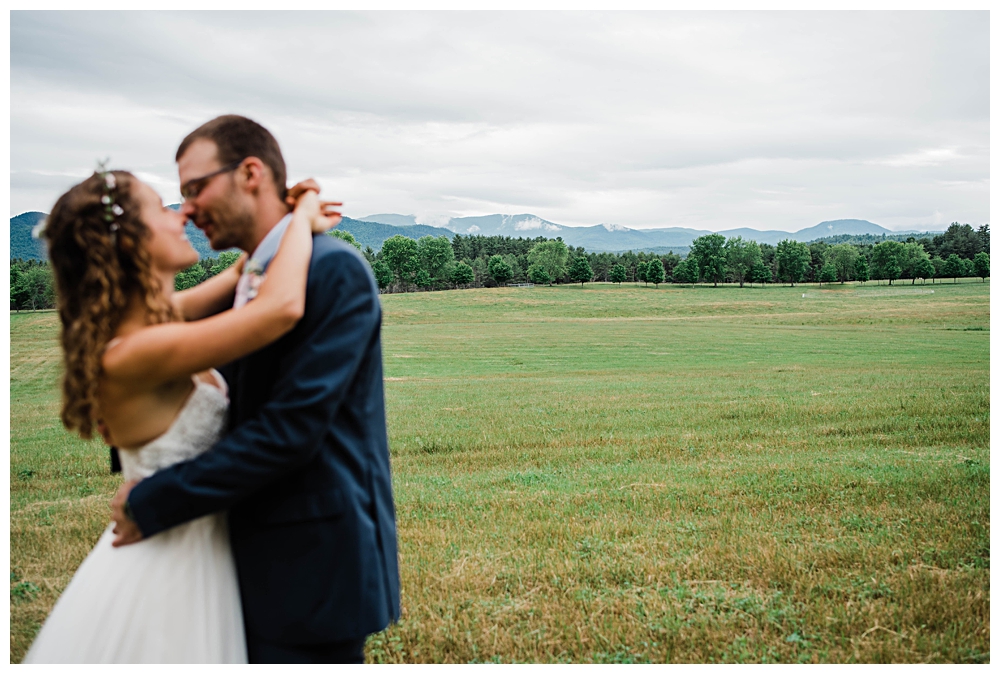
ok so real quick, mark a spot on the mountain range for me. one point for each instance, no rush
(23, 245)
(374, 229)
(617, 238)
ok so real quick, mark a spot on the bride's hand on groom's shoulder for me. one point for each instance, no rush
(325, 216)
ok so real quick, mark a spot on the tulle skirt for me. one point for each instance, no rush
(172, 598)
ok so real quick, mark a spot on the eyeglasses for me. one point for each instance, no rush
(192, 188)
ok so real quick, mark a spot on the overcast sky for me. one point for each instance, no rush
(705, 120)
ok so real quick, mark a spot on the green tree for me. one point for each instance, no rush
(938, 263)
(208, 263)
(537, 274)
(968, 268)
(225, 260)
(710, 252)
(34, 289)
(617, 274)
(654, 272)
(982, 263)
(400, 253)
(984, 240)
(768, 251)
(580, 271)
(436, 257)
(628, 260)
(670, 262)
(844, 257)
(911, 259)
(423, 279)
(686, 271)
(961, 240)
(886, 260)
(924, 269)
(462, 274)
(741, 256)
(499, 270)
(601, 263)
(15, 276)
(793, 259)
(640, 271)
(341, 234)
(761, 273)
(861, 272)
(817, 255)
(828, 273)
(952, 267)
(480, 267)
(190, 277)
(383, 275)
(551, 256)
(516, 268)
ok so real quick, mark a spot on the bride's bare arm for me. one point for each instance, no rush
(167, 351)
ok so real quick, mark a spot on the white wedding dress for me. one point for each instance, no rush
(171, 598)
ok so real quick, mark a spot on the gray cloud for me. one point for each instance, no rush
(709, 120)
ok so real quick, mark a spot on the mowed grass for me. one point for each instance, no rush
(630, 474)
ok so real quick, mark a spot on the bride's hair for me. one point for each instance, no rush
(99, 266)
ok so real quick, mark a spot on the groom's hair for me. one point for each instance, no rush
(237, 138)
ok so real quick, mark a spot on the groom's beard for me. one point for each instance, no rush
(229, 224)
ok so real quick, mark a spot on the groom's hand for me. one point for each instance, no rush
(125, 527)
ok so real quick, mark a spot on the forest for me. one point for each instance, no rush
(437, 263)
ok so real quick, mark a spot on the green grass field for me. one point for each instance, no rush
(630, 474)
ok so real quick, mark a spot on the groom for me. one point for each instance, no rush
(304, 469)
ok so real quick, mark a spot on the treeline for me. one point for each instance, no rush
(959, 252)
(434, 263)
(31, 285)
(961, 240)
(437, 263)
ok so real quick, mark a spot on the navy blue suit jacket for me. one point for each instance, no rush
(304, 469)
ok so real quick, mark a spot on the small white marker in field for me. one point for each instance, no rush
(803, 294)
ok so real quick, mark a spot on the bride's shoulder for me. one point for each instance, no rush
(118, 355)
(115, 353)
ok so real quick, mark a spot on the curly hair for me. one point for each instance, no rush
(97, 273)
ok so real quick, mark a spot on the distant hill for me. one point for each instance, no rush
(24, 246)
(391, 219)
(611, 237)
(366, 233)
(374, 233)
(597, 238)
(836, 227)
(525, 225)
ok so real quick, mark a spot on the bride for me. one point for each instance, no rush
(139, 358)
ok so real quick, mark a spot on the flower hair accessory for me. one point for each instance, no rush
(111, 209)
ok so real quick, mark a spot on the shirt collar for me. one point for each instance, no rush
(268, 246)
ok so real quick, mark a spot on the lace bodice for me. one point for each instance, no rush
(198, 425)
